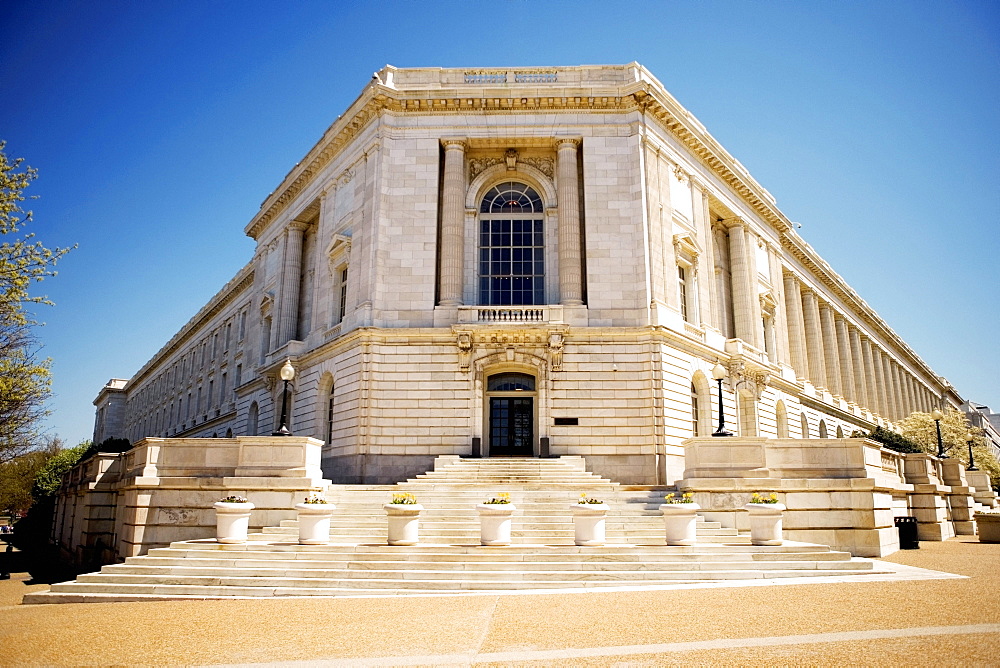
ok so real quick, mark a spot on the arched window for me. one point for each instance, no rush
(822, 429)
(511, 246)
(252, 415)
(840, 431)
(805, 426)
(510, 382)
(781, 417)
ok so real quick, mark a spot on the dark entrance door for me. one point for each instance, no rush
(512, 422)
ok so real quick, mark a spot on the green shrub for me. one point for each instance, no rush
(50, 476)
(892, 440)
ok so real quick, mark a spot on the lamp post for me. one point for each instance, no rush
(936, 415)
(287, 373)
(972, 462)
(719, 373)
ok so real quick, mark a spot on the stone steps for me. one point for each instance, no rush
(449, 559)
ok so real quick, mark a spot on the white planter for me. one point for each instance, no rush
(988, 525)
(404, 523)
(588, 523)
(765, 523)
(494, 523)
(680, 522)
(232, 521)
(314, 522)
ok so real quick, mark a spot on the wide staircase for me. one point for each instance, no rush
(449, 559)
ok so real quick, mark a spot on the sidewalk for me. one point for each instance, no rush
(914, 622)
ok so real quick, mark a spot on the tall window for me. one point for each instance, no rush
(329, 417)
(694, 411)
(343, 294)
(682, 286)
(511, 246)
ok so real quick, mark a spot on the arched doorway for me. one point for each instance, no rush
(510, 416)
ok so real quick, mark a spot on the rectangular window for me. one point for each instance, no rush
(239, 373)
(243, 325)
(329, 418)
(342, 307)
(683, 290)
(511, 263)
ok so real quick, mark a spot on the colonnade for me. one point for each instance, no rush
(835, 355)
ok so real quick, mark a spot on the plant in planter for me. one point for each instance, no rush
(314, 515)
(404, 519)
(494, 520)
(232, 519)
(765, 518)
(680, 519)
(588, 520)
(988, 526)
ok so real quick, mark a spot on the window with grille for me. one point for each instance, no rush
(511, 246)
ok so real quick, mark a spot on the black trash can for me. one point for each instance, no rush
(907, 527)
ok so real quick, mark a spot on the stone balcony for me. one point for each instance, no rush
(469, 315)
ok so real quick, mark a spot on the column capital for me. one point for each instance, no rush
(454, 143)
(562, 143)
(735, 221)
(297, 226)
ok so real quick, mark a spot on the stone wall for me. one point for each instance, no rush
(115, 506)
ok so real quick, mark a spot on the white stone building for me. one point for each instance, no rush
(522, 261)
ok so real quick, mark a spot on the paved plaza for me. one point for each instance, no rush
(910, 620)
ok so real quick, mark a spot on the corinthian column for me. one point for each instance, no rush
(830, 358)
(568, 191)
(858, 362)
(844, 358)
(452, 222)
(291, 281)
(746, 303)
(814, 339)
(796, 327)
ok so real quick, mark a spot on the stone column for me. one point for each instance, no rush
(570, 271)
(846, 361)
(746, 303)
(860, 381)
(796, 328)
(291, 281)
(878, 358)
(814, 339)
(830, 357)
(707, 295)
(452, 222)
(780, 312)
(890, 388)
(899, 380)
(871, 380)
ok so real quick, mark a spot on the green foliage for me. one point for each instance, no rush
(107, 445)
(955, 435)
(16, 479)
(25, 380)
(50, 475)
(889, 439)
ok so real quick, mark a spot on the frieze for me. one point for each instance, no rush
(478, 165)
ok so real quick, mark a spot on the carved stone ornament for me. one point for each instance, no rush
(750, 381)
(544, 165)
(510, 157)
(681, 175)
(478, 165)
(556, 350)
(464, 350)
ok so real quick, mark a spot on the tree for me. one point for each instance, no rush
(955, 430)
(49, 477)
(25, 380)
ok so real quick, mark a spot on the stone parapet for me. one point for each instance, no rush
(840, 492)
(115, 506)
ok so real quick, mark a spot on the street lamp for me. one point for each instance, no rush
(287, 373)
(972, 462)
(936, 415)
(718, 373)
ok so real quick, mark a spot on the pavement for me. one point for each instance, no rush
(917, 618)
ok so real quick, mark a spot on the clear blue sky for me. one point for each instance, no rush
(158, 128)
